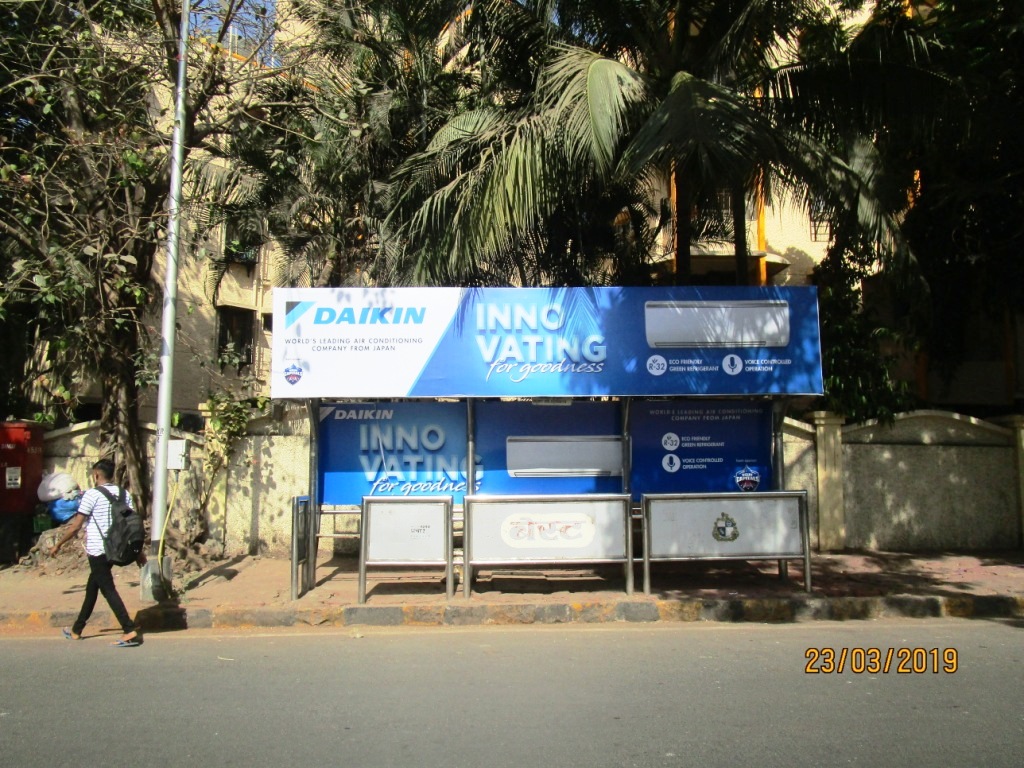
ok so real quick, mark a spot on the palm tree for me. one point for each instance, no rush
(713, 96)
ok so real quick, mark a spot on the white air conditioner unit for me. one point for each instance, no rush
(564, 456)
(761, 323)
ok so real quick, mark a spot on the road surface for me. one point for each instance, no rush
(590, 696)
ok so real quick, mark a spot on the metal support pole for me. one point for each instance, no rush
(313, 409)
(627, 442)
(647, 548)
(629, 546)
(470, 447)
(779, 463)
(627, 471)
(364, 539)
(449, 554)
(167, 331)
(467, 570)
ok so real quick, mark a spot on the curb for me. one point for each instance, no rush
(759, 610)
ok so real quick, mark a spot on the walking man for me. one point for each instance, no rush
(94, 514)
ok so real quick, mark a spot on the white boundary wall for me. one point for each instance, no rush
(933, 480)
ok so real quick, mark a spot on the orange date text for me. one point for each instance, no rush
(874, 661)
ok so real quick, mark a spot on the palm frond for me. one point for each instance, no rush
(590, 102)
(707, 129)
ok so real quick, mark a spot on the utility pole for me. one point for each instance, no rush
(156, 574)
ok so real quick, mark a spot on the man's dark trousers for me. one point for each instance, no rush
(101, 580)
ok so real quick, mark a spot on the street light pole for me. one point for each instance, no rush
(155, 581)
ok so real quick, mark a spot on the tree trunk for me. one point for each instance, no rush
(133, 447)
(683, 230)
(121, 435)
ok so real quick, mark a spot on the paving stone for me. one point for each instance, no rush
(253, 617)
(373, 615)
(679, 610)
(636, 611)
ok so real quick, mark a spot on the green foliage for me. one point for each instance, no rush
(230, 414)
(858, 350)
(84, 178)
(968, 212)
(624, 99)
(79, 162)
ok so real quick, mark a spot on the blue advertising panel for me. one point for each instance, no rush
(545, 342)
(391, 449)
(419, 448)
(700, 446)
(568, 448)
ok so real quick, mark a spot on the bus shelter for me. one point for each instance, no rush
(544, 415)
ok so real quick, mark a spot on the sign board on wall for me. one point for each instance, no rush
(701, 445)
(545, 342)
(418, 448)
(391, 449)
(576, 447)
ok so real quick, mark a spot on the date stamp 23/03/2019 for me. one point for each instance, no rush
(873, 661)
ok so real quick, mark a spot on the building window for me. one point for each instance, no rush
(235, 337)
(821, 223)
(241, 244)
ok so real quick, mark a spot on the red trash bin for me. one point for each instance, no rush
(21, 471)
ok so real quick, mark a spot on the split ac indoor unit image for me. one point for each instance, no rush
(762, 323)
(564, 456)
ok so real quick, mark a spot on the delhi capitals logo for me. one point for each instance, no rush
(725, 529)
(747, 478)
(292, 374)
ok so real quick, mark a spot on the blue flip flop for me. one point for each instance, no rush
(66, 631)
(133, 643)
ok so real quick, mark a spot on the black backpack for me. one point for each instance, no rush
(127, 535)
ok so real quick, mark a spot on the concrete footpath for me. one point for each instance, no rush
(254, 592)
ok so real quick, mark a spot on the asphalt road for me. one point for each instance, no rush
(607, 695)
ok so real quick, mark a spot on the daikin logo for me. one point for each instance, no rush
(295, 310)
(340, 414)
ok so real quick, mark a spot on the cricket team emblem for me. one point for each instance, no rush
(725, 529)
(747, 479)
(292, 374)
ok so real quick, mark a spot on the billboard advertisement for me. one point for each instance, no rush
(544, 342)
(413, 448)
(392, 449)
(701, 446)
(576, 447)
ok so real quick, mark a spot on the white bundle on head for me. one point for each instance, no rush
(57, 486)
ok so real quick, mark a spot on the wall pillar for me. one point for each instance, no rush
(831, 501)
(1016, 423)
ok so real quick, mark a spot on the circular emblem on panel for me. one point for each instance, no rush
(725, 529)
(732, 364)
(657, 365)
